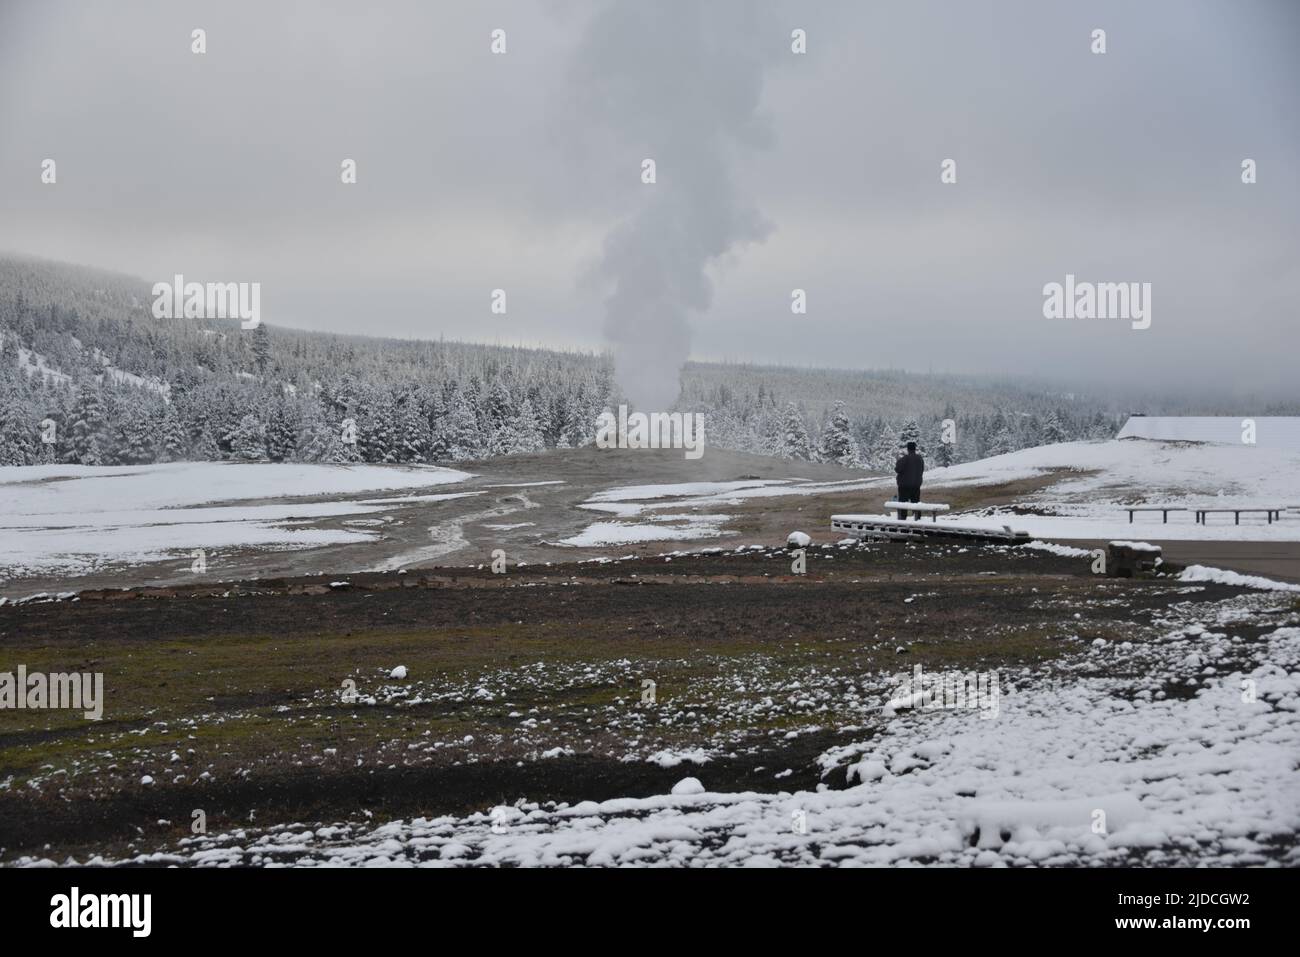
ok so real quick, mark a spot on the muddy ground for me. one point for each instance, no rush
(270, 701)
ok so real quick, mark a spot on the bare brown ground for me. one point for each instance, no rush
(240, 682)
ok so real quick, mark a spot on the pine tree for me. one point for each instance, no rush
(1100, 428)
(583, 413)
(573, 427)
(318, 440)
(196, 418)
(1030, 432)
(281, 432)
(248, 440)
(173, 444)
(838, 444)
(312, 441)
(1000, 443)
(1052, 429)
(558, 421)
(498, 419)
(524, 434)
(206, 448)
(884, 449)
(911, 432)
(47, 453)
(770, 434)
(88, 442)
(413, 437)
(458, 435)
(795, 443)
(376, 428)
(136, 436)
(261, 347)
(17, 441)
(542, 410)
(337, 452)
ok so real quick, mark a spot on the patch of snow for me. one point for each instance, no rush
(1065, 551)
(688, 786)
(670, 759)
(74, 519)
(1204, 573)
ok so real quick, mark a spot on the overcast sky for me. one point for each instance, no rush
(775, 171)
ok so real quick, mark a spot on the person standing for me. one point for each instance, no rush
(909, 469)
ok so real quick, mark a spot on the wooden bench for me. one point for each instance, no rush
(1237, 513)
(933, 508)
(1165, 509)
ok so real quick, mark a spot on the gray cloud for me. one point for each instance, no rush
(520, 172)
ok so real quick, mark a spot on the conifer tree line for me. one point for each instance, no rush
(764, 424)
(81, 349)
(864, 420)
(469, 404)
(84, 362)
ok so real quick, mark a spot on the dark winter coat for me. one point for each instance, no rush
(909, 470)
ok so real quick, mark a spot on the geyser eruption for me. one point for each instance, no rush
(681, 82)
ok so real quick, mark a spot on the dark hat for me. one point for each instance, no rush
(911, 446)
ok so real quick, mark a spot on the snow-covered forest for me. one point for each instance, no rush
(89, 376)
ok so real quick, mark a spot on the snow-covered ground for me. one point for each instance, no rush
(646, 503)
(73, 518)
(1179, 748)
(1139, 471)
(673, 527)
(1084, 504)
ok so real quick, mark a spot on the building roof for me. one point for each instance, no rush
(1271, 431)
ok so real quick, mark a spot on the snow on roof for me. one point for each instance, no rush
(1271, 431)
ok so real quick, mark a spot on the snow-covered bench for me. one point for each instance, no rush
(875, 527)
(932, 508)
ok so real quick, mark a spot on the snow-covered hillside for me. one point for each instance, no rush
(1108, 475)
(1143, 470)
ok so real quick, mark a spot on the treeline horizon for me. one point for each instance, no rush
(89, 376)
